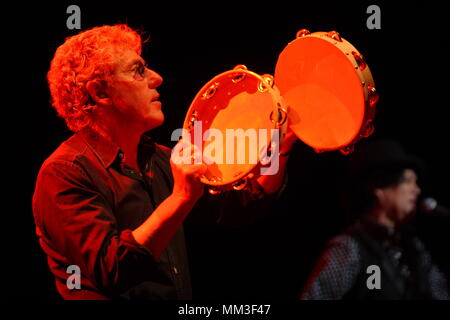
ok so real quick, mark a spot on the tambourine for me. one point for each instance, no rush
(329, 89)
(323, 86)
(233, 105)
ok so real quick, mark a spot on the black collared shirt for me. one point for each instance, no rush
(406, 267)
(86, 203)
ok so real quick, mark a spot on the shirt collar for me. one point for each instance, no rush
(379, 230)
(106, 150)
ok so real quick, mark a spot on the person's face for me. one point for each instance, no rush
(400, 200)
(133, 92)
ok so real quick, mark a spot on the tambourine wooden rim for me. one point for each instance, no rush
(200, 109)
(355, 61)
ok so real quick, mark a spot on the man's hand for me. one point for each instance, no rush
(187, 168)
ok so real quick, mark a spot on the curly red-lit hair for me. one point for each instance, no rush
(86, 56)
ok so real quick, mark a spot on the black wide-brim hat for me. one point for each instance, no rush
(374, 155)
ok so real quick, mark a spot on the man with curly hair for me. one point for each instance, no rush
(110, 200)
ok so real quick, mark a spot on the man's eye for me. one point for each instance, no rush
(140, 70)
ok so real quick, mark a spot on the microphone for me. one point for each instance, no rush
(430, 206)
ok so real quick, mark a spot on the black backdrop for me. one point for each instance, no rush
(191, 43)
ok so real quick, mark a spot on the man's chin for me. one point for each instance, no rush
(155, 122)
(406, 216)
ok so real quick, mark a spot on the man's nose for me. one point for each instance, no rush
(417, 189)
(154, 79)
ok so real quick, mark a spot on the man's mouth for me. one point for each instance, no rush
(155, 98)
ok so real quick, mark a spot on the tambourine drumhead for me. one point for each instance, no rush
(324, 89)
(238, 100)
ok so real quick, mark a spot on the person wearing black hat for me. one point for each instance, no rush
(379, 256)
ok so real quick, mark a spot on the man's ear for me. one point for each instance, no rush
(98, 93)
(379, 194)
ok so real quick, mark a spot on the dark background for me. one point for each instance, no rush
(192, 42)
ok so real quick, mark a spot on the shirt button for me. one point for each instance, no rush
(175, 270)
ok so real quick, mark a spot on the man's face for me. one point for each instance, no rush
(400, 200)
(133, 92)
